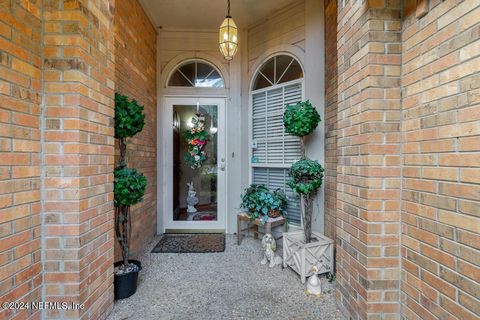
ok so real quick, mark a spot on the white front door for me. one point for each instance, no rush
(195, 190)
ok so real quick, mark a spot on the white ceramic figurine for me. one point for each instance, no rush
(269, 245)
(192, 200)
(314, 285)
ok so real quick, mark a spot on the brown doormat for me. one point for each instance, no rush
(190, 243)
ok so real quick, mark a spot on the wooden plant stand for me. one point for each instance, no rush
(253, 225)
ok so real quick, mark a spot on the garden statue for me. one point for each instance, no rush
(314, 285)
(192, 200)
(269, 245)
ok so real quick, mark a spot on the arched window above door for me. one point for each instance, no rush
(276, 70)
(197, 74)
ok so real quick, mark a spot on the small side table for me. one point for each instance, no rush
(253, 225)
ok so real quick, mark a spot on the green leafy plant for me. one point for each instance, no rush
(129, 185)
(280, 200)
(301, 119)
(129, 117)
(330, 277)
(305, 175)
(258, 201)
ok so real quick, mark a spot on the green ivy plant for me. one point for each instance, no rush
(129, 185)
(305, 176)
(301, 119)
(129, 117)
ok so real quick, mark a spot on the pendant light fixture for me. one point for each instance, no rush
(228, 36)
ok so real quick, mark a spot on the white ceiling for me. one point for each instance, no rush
(208, 14)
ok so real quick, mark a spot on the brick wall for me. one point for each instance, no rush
(330, 117)
(441, 161)
(59, 68)
(20, 98)
(424, 143)
(78, 156)
(368, 172)
(135, 76)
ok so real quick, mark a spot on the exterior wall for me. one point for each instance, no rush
(331, 156)
(78, 154)
(57, 81)
(286, 26)
(368, 172)
(407, 165)
(298, 28)
(174, 43)
(441, 161)
(135, 76)
(20, 99)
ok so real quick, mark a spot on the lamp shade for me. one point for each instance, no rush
(228, 38)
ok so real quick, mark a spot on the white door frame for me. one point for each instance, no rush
(167, 166)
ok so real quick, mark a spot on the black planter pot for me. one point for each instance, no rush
(125, 285)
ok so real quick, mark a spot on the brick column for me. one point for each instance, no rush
(20, 98)
(368, 197)
(78, 156)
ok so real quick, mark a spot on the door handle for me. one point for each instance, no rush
(221, 166)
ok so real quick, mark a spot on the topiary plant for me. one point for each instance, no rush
(129, 185)
(301, 119)
(306, 175)
(129, 117)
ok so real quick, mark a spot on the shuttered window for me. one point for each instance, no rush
(274, 150)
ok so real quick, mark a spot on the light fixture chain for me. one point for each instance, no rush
(228, 8)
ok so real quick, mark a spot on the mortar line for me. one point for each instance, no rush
(42, 156)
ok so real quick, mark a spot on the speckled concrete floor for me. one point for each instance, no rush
(228, 285)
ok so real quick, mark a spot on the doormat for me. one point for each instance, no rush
(190, 243)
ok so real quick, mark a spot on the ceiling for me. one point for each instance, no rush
(208, 14)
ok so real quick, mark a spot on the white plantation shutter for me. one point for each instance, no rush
(275, 150)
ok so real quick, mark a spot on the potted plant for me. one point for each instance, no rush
(259, 202)
(129, 188)
(304, 250)
(278, 204)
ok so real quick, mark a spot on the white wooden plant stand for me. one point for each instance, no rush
(301, 256)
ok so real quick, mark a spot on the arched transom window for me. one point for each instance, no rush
(196, 73)
(278, 69)
(278, 83)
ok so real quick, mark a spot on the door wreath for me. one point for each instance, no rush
(196, 139)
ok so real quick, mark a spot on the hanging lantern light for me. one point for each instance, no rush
(228, 36)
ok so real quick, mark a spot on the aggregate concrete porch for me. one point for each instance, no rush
(228, 285)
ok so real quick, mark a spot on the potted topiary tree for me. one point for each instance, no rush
(304, 250)
(129, 188)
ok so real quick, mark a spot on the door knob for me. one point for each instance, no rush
(221, 166)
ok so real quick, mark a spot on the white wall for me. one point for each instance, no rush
(298, 29)
(315, 91)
